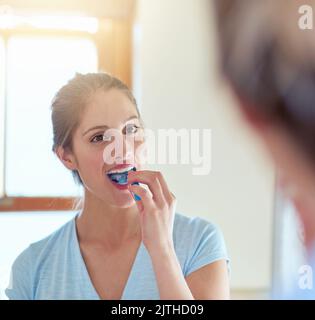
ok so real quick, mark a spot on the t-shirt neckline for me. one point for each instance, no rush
(84, 267)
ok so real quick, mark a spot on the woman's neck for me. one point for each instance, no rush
(105, 225)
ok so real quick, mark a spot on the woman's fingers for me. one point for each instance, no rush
(169, 196)
(146, 175)
(145, 195)
(151, 179)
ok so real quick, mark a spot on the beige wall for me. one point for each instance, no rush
(97, 8)
(179, 89)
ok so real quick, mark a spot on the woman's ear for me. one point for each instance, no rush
(66, 157)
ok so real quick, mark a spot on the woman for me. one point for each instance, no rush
(268, 59)
(116, 247)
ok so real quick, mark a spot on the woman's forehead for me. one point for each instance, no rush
(111, 108)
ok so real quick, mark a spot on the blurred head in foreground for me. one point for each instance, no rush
(268, 58)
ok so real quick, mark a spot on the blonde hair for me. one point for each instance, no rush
(69, 103)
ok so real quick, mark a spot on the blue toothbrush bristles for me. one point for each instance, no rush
(137, 198)
(122, 179)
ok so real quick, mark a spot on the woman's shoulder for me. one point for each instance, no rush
(193, 224)
(36, 251)
(26, 264)
(194, 231)
(198, 241)
(55, 238)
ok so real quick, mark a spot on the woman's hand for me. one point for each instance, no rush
(156, 207)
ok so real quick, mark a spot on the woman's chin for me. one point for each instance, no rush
(123, 200)
(121, 196)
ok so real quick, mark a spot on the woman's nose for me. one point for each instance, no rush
(127, 158)
(128, 152)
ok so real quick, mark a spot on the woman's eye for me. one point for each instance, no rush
(98, 138)
(130, 129)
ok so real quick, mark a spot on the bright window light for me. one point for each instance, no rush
(70, 23)
(37, 67)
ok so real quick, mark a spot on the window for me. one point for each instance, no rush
(37, 56)
(37, 67)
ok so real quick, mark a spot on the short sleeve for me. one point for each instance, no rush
(207, 246)
(20, 284)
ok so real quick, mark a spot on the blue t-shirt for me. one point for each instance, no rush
(53, 268)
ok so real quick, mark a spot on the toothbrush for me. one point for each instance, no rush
(137, 198)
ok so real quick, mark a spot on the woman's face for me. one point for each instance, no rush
(112, 110)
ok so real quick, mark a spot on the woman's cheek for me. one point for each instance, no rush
(141, 153)
(93, 162)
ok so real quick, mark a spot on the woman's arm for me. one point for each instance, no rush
(206, 283)
(157, 213)
(169, 276)
(210, 281)
(20, 287)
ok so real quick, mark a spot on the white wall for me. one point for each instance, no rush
(18, 230)
(179, 89)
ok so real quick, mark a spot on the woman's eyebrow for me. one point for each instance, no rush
(94, 128)
(132, 117)
(104, 126)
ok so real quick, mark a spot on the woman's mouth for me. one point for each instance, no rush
(119, 176)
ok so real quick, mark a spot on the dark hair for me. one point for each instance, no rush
(270, 64)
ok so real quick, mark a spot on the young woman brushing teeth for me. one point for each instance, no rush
(116, 247)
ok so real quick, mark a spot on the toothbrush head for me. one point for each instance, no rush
(137, 198)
